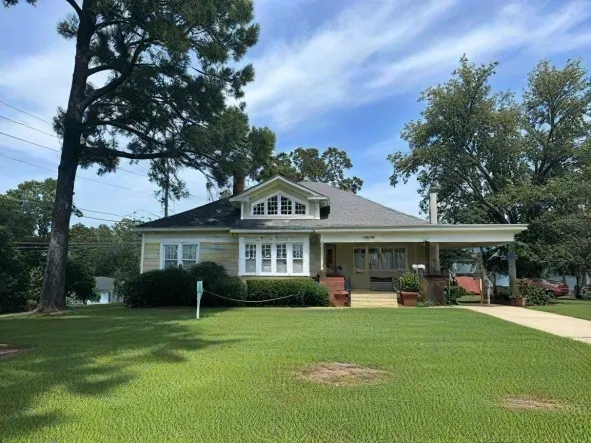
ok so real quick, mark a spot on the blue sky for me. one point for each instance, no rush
(341, 73)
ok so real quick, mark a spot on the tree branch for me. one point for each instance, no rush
(74, 5)
(133, 156)
(96, 69)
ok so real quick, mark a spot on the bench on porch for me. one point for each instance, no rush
(383, 280)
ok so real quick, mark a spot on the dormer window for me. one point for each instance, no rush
(279, 205)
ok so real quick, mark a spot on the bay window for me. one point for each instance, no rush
(179, 254)
(274, 256)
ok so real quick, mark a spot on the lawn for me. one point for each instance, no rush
(108, 374)
(568, 306)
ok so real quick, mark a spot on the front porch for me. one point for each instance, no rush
(373, 260)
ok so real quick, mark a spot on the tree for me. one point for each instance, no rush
(494, 160)
(13, 276)
(80, 283)
(308, 164)
(167, 65)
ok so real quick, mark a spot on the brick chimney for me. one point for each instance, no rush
(239, 182)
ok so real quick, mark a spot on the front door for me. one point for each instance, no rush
(330, 260)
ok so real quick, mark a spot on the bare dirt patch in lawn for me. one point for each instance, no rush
(7, 351)
(531, 403)
(342, 374)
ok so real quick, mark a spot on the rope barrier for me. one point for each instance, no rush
(249, 301)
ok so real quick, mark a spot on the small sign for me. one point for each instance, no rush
(369, 236)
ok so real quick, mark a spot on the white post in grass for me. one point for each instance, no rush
(199, 294)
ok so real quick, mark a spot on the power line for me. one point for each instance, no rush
(78, 176)
(30, 127)
(27, 200)
(24, 112)
(30, 142)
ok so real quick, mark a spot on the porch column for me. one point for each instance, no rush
(322, 270)
(511, 258)
(434, 263)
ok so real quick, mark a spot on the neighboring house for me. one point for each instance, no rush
(280, 228)
(105, 287)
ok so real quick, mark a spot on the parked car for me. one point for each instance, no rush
(553, 288)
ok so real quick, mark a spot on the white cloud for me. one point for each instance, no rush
(362, 54)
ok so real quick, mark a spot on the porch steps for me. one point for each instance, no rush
(373, 299)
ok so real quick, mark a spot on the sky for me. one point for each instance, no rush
(342, 73)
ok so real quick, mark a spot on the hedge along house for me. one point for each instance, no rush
(283, 229)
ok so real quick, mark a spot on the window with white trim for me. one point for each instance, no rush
(272, 205)
(269, 256)
(298, 257)
(300, 208)
(279, 205)
(250, 258)
(380, 258)
(179, 254)
(258, 209)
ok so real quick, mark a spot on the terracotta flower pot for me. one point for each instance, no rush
(409, 298)
(519, 301)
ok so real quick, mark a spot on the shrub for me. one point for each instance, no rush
(167, 287)
(409, 282)
(534, 296)
(13, 276)
(453, 293)
(232, 287)
(307, 292)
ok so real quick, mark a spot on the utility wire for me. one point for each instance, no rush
(78, 176)
(30, 142)
(24, 112)
(30, 127)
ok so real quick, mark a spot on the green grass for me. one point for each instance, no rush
(108, 374)
(568, 306)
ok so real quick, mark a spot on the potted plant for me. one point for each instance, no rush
(409, 286)
(519, 298)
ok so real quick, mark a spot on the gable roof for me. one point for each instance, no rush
(277, 178)
(346, 210)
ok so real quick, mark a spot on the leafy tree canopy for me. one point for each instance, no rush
(308, 164)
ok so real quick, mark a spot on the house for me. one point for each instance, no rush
(105, 288)
(281, 228)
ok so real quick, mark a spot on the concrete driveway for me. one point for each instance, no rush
(561, 325)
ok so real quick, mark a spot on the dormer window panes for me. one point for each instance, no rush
(300, 209)
(286, 206)
(258, 209)
(279, 205)
(272, 205)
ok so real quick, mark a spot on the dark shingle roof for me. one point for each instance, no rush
(218, 214)
(346, 210)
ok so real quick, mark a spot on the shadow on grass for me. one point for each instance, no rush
(90, 351)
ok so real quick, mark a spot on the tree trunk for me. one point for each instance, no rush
(53, 293)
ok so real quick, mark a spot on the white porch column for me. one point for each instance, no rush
(512, 259)
(322, 270)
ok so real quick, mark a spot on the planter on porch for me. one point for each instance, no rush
(409, 298)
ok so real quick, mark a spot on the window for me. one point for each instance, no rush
(380, 259)
(250, 257)
(359, 259)
(281, 254)
(298, 258)
(278, 205)
(266, 254)
(270, 256)
(300, 209)
(393, 258)
(179, 254)
(171, 256)
(189, 255)
(272, 205)
(285, 206)
(258, 209)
